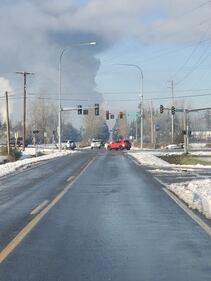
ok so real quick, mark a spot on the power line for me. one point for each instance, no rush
(193, 51)
(162, 98)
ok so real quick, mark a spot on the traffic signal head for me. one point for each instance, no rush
(80, 109)
(85, 112)
(173, 110)
(107, 115)
(96, 109)
(161, 108)
(120, 115)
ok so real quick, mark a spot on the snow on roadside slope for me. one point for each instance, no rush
(11, 167)
(148, 158)
(196, 194)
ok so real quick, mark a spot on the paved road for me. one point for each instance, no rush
(112, 222)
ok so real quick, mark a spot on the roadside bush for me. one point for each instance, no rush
(3, 150)
(14, 154)
(183, 159)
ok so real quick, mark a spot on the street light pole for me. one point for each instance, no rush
(60, 86)
(141, 95)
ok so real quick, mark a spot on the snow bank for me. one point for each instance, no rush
(11, 167)
(147, 158)
(197, 194)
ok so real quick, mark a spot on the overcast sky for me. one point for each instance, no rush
(169, 40)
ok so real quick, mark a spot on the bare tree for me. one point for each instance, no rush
(94, 126)
(43, 116)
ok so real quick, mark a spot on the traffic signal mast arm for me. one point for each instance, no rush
(74, 108)
(172, 109)
(162, 108)
(198, 109)
(79, 108)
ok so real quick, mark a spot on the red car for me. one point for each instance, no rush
(120, 144)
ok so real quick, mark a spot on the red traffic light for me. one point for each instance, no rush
(121, 115)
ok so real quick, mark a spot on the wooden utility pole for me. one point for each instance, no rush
(24, 106)
(8, 124)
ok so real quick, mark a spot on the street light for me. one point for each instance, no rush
(141, 95)
(60, 84)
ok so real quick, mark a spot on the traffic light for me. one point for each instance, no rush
(112, 116)
(35, 132)
(85, 112)
(120, 115)
(107, 115)
(184, 132)
(79, 109)
(96, 109)
(161, 108)
(173, 110)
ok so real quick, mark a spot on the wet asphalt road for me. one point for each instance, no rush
(114, 223)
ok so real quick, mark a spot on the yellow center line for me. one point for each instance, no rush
(28, 228)
(38, 208)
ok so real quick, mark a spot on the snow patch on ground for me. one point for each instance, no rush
(147, 158)
(196, 194)
(11, 167)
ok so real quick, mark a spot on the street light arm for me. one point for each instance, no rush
(69, 47)
(60, 83)
(133, 65)
(142, 93)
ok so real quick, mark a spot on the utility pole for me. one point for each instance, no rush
(185, 131)
(24, 105)
(8, 124)
(152, 125)
(172, 116)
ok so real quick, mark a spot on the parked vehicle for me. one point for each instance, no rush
(120, 144)
(172, 146)
(96, 144)
(69, 144)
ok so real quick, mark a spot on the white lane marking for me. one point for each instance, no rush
(197, 219)
(160, 181)
(183, 206)
(70, 178)
(40, 207)
(28, 228)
